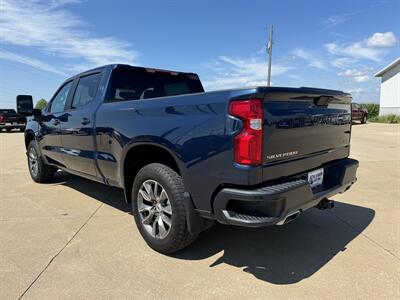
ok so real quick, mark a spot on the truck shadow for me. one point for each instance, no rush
(279, 255)
(108, 195)
(284, 254)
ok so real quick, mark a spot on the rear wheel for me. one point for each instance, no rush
(364, 119)
(39, 171)
(159, 208)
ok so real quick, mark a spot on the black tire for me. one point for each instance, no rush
(178, 236)
(364, 119)
(42, 173)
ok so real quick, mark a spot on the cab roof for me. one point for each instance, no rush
(114, 66)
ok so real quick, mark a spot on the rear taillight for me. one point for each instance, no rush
(1, 118)
(248, 143)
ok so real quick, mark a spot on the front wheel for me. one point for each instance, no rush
(39, 171)
(158, 206)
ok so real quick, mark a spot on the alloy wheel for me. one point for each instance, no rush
(33, 161)
(154, 209)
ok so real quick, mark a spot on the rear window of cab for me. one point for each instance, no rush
(138, 83)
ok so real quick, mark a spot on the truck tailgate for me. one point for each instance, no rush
(303, 130)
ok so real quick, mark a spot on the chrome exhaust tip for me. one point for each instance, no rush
(289, 218)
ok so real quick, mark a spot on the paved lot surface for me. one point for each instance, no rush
(75, 239)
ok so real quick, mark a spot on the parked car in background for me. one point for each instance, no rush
(359, 113)
(252, 157)
(10, 119)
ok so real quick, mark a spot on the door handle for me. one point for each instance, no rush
(56, 122)
(85, 121)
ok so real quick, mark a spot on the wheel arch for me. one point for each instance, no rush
(137, 155)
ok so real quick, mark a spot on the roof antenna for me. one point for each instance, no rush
(269, 51)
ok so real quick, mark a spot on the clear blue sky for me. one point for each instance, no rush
(331, 44)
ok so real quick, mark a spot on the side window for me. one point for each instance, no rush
(58, 103)
(86, 90)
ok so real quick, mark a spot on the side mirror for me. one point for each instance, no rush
(25, 105)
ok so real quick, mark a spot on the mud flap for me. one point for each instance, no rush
(192, 218)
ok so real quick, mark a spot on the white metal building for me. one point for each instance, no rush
(389, 103)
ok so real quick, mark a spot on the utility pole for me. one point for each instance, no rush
(269, 50)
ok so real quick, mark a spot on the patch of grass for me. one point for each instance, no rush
(391, 119)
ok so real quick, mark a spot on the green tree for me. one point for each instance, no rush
(41, 104)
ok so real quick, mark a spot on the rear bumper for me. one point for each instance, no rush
(272, 204)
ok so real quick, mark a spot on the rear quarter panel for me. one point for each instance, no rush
(193, 128)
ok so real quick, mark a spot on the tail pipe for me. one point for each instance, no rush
(289, 218)
(323, 204)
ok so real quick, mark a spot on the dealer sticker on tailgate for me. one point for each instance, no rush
(316, 177)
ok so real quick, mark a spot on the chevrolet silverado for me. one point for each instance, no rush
(256, 156)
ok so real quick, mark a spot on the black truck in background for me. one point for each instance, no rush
(10, 119)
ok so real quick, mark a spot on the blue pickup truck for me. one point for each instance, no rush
(251, 157)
